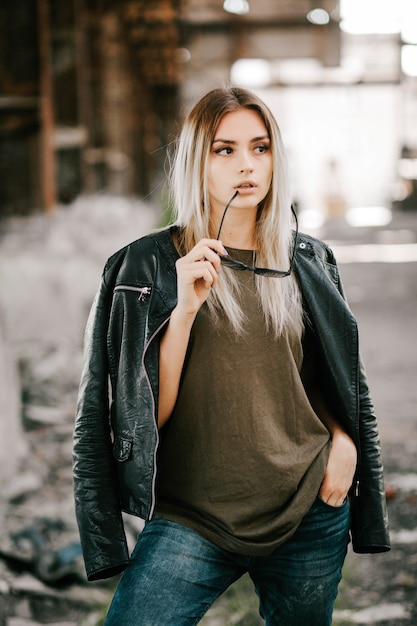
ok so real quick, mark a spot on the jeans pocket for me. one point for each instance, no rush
(331, 506)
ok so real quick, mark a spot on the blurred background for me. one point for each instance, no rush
(92, 94)
(93, 90)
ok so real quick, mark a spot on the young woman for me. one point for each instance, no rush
(240, 425)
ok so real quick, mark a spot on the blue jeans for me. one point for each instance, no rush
(175, 574)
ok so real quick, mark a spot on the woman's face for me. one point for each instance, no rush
(240, 159)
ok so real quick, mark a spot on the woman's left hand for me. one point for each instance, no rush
(340, 470)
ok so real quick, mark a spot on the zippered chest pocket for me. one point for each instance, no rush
(143, 293)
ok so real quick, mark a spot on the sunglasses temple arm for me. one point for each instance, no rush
(295, 237)
(224, 213)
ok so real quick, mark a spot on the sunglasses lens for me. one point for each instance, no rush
(265, 271)
(229, 262)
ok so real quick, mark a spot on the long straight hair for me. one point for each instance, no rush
(279, 297)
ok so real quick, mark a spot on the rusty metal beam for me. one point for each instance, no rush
(47, 152)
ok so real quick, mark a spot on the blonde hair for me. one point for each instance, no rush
(279, 297)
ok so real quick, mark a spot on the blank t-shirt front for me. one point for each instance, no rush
(243, 455)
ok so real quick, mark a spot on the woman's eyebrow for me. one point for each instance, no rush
(232, 142)
(228, 141)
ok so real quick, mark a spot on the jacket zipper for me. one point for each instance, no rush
(153, 499)
(143, 291)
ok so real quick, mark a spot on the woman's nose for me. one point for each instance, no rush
(246, 164)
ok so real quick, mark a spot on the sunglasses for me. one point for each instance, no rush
(261, 271)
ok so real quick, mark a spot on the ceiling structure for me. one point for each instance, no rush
(208, 35)
(271, 30)
(282, 11)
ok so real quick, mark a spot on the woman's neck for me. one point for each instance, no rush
(238, 231)
(238, 240)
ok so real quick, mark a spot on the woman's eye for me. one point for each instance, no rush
(225, 150)
(261, 149)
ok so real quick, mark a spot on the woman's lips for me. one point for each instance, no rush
(245, 188)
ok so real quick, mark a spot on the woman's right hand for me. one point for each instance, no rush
(197, 274)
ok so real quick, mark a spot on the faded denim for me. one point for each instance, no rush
(175, 575)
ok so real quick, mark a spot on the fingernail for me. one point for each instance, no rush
(225, 252)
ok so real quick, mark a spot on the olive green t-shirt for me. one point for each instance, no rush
(243, 455)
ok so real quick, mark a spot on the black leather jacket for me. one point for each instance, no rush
(116, 439)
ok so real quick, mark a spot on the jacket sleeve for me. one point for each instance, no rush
(97, 507)
(368, 503)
